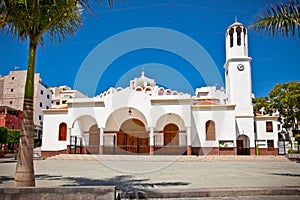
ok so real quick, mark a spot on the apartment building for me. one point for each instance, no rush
(61, 94)
(12, 88)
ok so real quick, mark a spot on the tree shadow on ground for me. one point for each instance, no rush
(124, 183)
(4, 179)
(286, 174)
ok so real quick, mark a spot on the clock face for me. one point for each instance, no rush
(240, 67)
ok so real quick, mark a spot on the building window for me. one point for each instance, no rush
(57, 103)
(270, 144)
(40, 117)
(269, 126)
(48, 96)
(42, 92)
(231, 36)
(64, 102)
(47, 107)
(12, 78)
(210, 130)
(11, 90)
(41, 104)
(10, 102)
(62, 135)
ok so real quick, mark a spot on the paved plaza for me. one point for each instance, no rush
(143, 173)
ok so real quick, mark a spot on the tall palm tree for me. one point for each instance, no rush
(281, 18)
(32, 20)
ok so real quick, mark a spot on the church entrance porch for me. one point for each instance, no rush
(133, 138)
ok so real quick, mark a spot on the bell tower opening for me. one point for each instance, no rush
(239, 31)
(236, 41)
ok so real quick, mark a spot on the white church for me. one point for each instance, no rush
(151, 120)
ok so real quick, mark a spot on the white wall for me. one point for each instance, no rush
(262, 133)
(245, 126)
(51, 132)
(224, 123)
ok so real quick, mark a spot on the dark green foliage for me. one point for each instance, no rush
(284, 98)
(13, 136)
(3, 135)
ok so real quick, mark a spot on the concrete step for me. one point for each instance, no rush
(214, 193)
(168, 158)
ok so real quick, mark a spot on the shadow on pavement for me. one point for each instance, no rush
(5, 179)
(286, 174)
(123, 183)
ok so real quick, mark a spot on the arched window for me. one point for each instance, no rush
(239, 31)
(139, 89)
(62, 134)
(231, 36)
(210, 130)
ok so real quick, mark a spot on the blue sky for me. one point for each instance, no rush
(275, 59)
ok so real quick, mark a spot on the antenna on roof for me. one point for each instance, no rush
(16, 68)
(235, 19)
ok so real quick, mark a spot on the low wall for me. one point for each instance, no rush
(46, 154)
(68, 193)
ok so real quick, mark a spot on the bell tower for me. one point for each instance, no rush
(238, 69)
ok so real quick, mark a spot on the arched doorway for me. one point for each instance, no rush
(171, 138)
(94, 140)
(243, 145)
(133, 138)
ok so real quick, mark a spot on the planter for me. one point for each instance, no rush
(293, 157)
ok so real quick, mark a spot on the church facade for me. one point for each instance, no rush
(151, 120)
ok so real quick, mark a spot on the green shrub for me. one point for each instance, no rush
(290, 151)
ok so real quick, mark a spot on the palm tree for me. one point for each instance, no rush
(281, 19)
(31, 20)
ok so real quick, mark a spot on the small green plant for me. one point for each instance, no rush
(290, 151)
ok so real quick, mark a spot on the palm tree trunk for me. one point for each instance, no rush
(24, 176)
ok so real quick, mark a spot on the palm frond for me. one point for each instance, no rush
(281, 19)
(25, 19)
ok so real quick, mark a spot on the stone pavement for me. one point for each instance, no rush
(142, 174)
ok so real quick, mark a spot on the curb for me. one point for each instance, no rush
(213, 192)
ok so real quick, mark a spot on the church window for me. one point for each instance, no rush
(270, 144)
(62, 134)
(239, 31)
(269, 126)
(231, 36)
(210, 129)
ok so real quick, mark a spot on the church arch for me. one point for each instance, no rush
(94, 139)
(243, 145)
(133, 137)
(171, 135)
